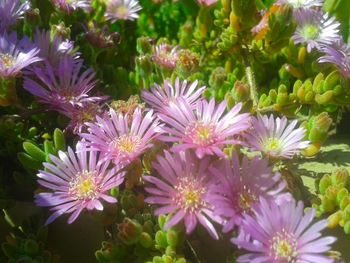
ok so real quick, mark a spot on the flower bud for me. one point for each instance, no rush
(325, 182)
(61, 30)
(187, 63)
(217, 78)
(129, 231)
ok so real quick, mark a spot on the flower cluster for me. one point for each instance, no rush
(200, 155)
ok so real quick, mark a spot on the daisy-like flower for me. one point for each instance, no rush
(120, 138)
(283, 233)
(181, 188)
(206, 129)
(122, 10)
(338, 54)
(52, 50)
(296, 4)
(69, 6)
(275, 137)
(166, 56)
(78, 181)
(207, 2)
(68, 84)
(240, 186)
(10, 12)
(16, 54)
(315, 28)
(161, 97)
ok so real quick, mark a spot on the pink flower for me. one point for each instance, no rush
(206, 129)
(275, 137)
(240, 184)
(161, 97)
(120, 138)
(181, 189)
(283, 233)
(78, 181)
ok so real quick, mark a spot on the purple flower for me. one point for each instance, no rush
(161, 97)
(206, 129)
(181, 188)
(166, 56)
(301, 3)
(10, 12)
(282, 233)
(52, 50)
(78, 181)
(120, 138)
(16, 54)
(338, 54)
(70, 6)
(315, 28)
(275, 137)
(67, 84)
(122, 10)
(241, 183)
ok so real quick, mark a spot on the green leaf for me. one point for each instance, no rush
(34, 151)
(59, 140)
(28, 162)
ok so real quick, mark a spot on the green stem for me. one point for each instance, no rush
(250, 78)
(8, 218)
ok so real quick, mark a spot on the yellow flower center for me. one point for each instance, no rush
(7, 60)
(85, 185)
(201, 133)
(122, 11)
(272, 145)
(310, 32)
(283, 247)
(127, 144)
(189, 194)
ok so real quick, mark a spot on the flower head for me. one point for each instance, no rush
(315, 28)
(275, 137)
(240, 186)
(166, 56)
(301, 3)
(161, 97)
(120, 138)
(67, 84)
(78, 181)
(16, 54)
(206, 129)
(69, 6)
(181, 188)
(10, 12)
(338, 54)
(52, 50)
(122, 10)
(282, 233)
